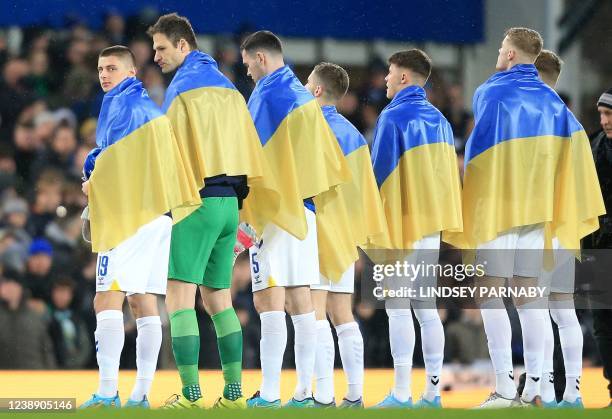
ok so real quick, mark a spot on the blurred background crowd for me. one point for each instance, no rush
(49, 101)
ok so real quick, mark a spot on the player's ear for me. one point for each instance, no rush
(261, 57)
(182, 45)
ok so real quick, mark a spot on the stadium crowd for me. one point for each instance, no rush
(49, 101)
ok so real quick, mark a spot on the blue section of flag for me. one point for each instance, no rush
(198, 70)
(349, 138)
(275, 96)
(125, 108)
(517, 104)
(407, 122)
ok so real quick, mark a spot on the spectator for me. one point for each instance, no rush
(16, 241)
(24, 340)
(60, 154)
(39, 79)
(153, 81)
(38, 273)
(67, 329)
(466, 342)
(14, 93)
(114, 26)
(8, 168)
(460, 119)
(143, 53)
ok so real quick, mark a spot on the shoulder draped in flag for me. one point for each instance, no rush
(302, 151)
(416, 169)
(139, 174)
(216, 135)
(359, 198)
(528, 161)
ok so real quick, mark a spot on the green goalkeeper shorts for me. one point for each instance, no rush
(202, 245)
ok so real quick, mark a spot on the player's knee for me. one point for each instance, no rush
(426, 315)
(135, 307)
(266, 301)
(340, 313)
(298, 300)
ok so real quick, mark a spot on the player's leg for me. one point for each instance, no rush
(218, 304)
(325, 352)
(267, 263)
(570, 335)
(215, 292)
(527, 271)
(499, 265)
(298, 304)
(302, 272)
(109, 333)
(185, 335)
(148, 343)
(350, 345)
(190, 247)
(531, 316)
(426, 312)
(401, 340)
(499, 338)
(548, 383)
(432, 340)
(270, 304)
(109, 337)
(151, 262)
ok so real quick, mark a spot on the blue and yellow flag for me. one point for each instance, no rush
(359, 199)
(139, 174)
(301, 149)
(216, 135)
(527, 161)
(416, 169)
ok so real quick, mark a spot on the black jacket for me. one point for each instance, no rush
(602, 154)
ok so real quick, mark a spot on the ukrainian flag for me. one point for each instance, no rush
(527, 161)
(359, 198)
(301, 149)
(216, 135)
(139, 175)
(416, 169)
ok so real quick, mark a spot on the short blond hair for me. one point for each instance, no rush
(548, 63)
(334, 78)
(526, 40)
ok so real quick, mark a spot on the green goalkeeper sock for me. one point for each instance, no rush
(229, 341)
(186, 349)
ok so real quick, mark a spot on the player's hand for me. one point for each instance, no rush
(85, 187)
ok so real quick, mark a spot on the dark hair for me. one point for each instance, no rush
(63, 281)
(334, 78)
(414, 60)
(119, 51)
(262, 40)
(526, 40)
(175, 28)
(548, 63)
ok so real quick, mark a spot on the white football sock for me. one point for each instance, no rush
(110, 336)
(324, 363)
(531, 316)
(570, 336)
(401, 338)
(148, 343)
(432, 339)
(350, 345)
(499, 338)
(548, 385)
(305, 328)
(272, 348)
